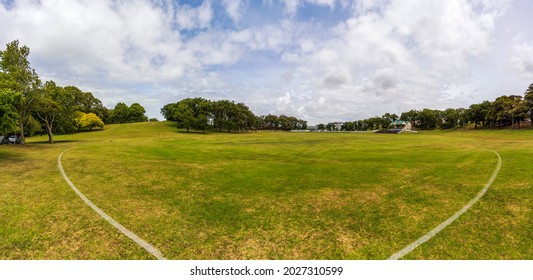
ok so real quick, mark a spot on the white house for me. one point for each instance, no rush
(404, 125)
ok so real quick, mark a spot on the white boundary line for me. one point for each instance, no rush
(147, 246)
(450, 220)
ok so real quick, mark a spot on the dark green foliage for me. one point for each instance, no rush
(283, 122)
(120, 113)
(124, 114)
(136, 113)
(8, 113)
(477, 113)
(224, 115)
(201, 114)
(20, 80)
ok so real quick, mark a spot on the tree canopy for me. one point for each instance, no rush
(224, 115)
(124, 114)
(89, 121)
(19, 80)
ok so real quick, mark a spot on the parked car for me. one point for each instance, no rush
(13, 139)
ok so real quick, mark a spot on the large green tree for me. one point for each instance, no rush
(451, 117)
(428, 119)
(48, 107)
(136, 113)
(120, 113)
(477, 113)
(20, 80)
(193, 113)
(508, 110)
(184, 115)
(124, 114)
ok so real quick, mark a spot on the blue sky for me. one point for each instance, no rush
(321, 60)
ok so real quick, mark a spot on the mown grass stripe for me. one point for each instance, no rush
(141, 242)
(450, 220)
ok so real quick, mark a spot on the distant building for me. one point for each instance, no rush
(404, 125)
(338, 126)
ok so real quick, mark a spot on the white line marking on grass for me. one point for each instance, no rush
(147, 246)
(450, 220)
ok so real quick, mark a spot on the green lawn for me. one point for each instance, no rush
(267, 195)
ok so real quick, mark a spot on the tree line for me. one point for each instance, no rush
(505, 111)
(28, 106)
(224, 115)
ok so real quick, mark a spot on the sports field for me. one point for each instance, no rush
(267, 195)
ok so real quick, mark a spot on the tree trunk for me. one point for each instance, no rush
(21, 127)
(49, 132)
(50, 138)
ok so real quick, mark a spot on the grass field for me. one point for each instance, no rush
(267, 195)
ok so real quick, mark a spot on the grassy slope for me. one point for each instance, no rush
(267, 195)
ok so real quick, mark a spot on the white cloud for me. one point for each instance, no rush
(284, 101)
(385, 79)
(521, 61)
(192, 18)
(380, 56)
(123, 40)
(291, 6)
(234, 8)
(412, 49)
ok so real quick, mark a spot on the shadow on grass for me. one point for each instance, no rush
(210, 132)
(55, 142)
(193, 132)
(87, 131)
(10, 155)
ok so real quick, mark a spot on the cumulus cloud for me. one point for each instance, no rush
(192, 18)
(271, 55)
(415, 49)
(234, 8)
(385, 79)
(521, 61)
